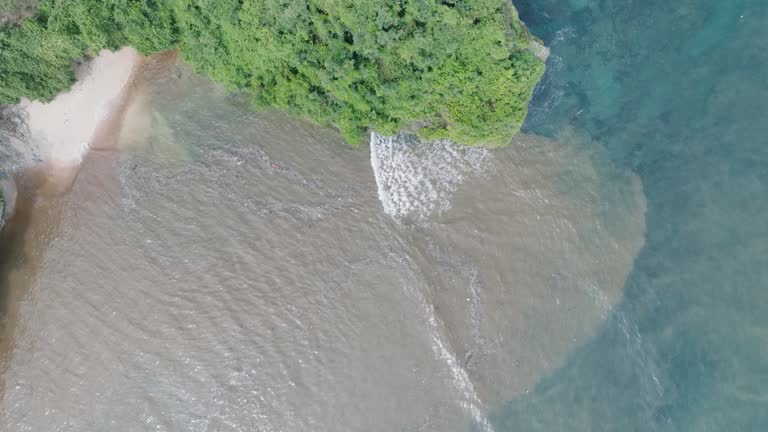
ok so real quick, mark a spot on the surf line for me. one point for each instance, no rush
(460, 380)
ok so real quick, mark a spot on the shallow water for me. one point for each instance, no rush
(209, 268)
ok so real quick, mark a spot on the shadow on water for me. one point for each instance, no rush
(22, 244)
(42, 191)
(41, 195)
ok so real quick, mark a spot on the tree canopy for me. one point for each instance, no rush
(453, 69)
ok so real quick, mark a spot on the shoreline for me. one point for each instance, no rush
(66, 127)
(33, 192)
(61, 132)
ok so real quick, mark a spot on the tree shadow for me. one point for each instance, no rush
(21, 249)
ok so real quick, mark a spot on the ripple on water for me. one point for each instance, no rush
(249, 279)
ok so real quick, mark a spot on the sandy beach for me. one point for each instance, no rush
(65, 128)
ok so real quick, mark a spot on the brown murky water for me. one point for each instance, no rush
(215, 269)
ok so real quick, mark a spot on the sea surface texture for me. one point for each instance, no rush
(208, 268)
(677, 91)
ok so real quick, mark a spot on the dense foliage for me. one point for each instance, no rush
(447, 68)
(34, 62)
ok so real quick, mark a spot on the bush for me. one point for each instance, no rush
(452, 69)
(35, 62)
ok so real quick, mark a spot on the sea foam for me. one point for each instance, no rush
(416, 179)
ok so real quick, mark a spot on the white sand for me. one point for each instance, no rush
(65, 128)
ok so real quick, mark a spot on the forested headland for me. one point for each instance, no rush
(456, 69)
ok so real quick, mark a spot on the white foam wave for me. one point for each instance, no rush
(461, 382)
(417, 178)
(469, 399)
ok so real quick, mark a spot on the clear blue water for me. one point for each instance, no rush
(678, 92)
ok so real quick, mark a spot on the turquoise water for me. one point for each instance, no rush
(678, 92)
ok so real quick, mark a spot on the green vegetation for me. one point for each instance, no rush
(445, 68)
(34, 62)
